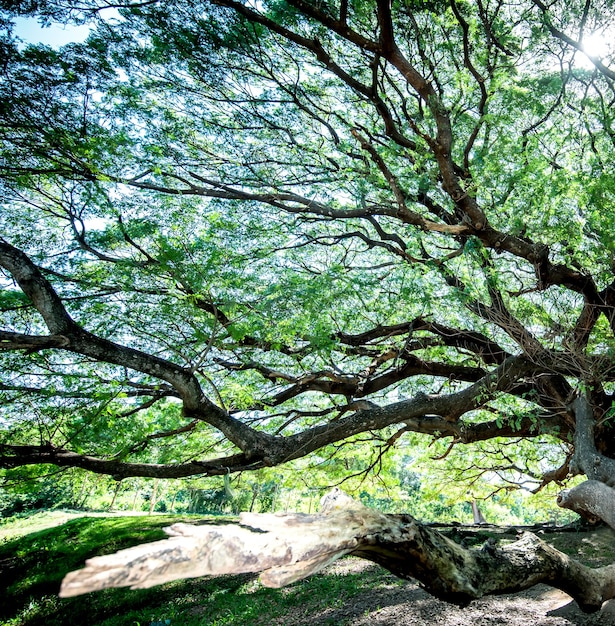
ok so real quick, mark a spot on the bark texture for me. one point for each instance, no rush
(595, 498)
(592, 499)
(287, 548)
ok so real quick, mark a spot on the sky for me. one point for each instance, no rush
(56, 35)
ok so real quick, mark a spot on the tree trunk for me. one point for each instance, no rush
(134, 500)
(477, 514)
(255, 490)
(153, 497)
(172, 507)
(80, 499)
(296, 545)
(595, 498)
(116, 491)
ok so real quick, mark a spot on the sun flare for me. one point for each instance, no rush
(596, 45)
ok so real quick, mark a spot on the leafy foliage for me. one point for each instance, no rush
(236, 235)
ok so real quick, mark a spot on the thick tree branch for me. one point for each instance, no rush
(449, 407)
(31, 343)
(287, 548)
(37, 288)
(592, 500)
(12, 456)
(80, 341)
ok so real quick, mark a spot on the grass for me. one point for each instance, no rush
(32, 566)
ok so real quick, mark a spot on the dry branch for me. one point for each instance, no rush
(287, 548)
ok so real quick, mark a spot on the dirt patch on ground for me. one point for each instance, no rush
(392, 604)
(411, 606)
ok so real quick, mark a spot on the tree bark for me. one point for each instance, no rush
(587, 459)
(477, 514)
(595, 498)
(592, 499)
(287, 548)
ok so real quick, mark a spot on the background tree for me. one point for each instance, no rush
(236, 234)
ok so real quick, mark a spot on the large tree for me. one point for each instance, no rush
(237, 233)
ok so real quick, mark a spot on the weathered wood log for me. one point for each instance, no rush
(286, 548)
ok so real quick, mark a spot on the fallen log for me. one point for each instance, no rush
(287, 548)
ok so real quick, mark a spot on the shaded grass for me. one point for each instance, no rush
(32, 567)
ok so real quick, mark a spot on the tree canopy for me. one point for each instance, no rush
(236, 234)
